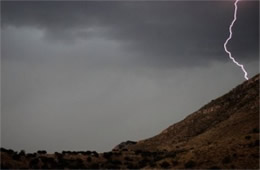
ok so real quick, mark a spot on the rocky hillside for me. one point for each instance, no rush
(222, 134)
(227, 127)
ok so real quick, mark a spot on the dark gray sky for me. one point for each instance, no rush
(88, 75)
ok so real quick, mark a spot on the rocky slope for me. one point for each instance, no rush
(225, 129)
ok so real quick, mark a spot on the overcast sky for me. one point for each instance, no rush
(88, 75)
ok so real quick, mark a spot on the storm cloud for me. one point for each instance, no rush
(159, 34)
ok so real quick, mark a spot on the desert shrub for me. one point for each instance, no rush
(3, 166)
(146, 154)
(130, 166)
(143, 162)
(45, 166)
(43, 159)
(116, 161)
(34, 163)
(112, 166)
(88, 152)
(70, 164)
(41, 152)
(66, 152)
(51, 162)
(117, 153)
(63, 163)
(226, 160)
(255, 155)
(29, 155)
(79, 164)
(174, 163)
(3, 149)
(128, 159)
(165, 164)
(58, 155)
(107, 155)
(158, 157)
(171, 154)
(152, 164)
(16, 157)
(89, 159)
(137, 152)
(9, 151)
(22, 153)
(190, 164)
(214, 167)
(251, 144)
(255, 130)
(247, 137)
(94, 166)
(95, 154)
(74, 152)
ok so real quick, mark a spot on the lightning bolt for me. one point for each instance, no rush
(230, 36)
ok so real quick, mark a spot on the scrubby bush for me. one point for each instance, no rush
(88, 152)
(226, 160)
(42, 152)
(34, 163)
(112, 166)
(130, 166)
(16, 157)
(117, 153)
(143, 162)
(95, 154)
(89, 159)
(171, 154)
(247, 137)
(255, 130)
(174, 163)
(58, 155)
(146, 154)
(214, 167)
(43, 159)
(22, 153)
(190, 164)
(9, 151)
(152, 164)
(165, 165)
(128, 159)
(107, 155)
(116, 161)
(137, 152)
(94, 166)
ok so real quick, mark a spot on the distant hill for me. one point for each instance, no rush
(223, 134)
